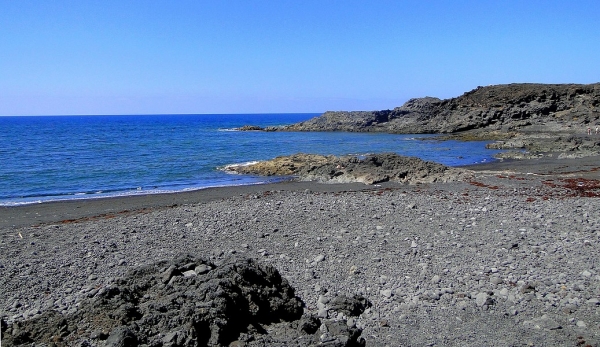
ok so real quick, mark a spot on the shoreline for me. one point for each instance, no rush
(67, 211)
(508, 257)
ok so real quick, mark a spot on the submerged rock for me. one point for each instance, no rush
(370, 169)
(164, 305)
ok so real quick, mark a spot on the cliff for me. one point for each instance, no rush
(508, 107)
(538, 118)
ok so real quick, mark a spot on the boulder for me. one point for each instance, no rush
(230, 304)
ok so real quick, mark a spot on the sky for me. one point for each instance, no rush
(279, 56)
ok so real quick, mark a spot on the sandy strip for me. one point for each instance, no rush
(66, 211)
(72, 210)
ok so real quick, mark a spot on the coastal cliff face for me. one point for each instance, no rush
(500, 107)
(533, 120)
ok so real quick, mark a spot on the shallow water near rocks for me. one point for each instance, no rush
(70, 157)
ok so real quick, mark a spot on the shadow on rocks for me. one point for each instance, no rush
(190, 302)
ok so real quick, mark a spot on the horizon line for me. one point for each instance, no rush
(154, 114)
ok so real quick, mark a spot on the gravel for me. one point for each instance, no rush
(504, 260)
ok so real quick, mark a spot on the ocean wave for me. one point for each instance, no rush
(84, 196)
(229, 168)
(228, 129)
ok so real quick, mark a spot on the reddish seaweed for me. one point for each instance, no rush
(482, 185)
(581, 187)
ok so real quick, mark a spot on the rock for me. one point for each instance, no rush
(519, 115)
(249, 128)
(543, 322)
(386, 293)
(594, 301)
(319, 258)
(189, 273)
(496, 280)
(350, 306)
(212, 309)
(121, 337)
(371, 169)
(202, 269)
(481, 299)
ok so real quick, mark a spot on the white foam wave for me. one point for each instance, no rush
(228, 129)
(230, 168)
(133, 193)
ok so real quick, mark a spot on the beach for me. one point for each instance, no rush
(508, 258)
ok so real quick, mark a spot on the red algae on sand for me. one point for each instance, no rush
(577, 187)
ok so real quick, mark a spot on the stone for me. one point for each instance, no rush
(386, 293)
(121, 337)
(202, 269)
(189, 273)
(350, 306)
(481, 299)
(594, 301)
(496, 280)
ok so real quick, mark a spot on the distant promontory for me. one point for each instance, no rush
(538, 118)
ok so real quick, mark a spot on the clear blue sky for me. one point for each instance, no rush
(252, 56)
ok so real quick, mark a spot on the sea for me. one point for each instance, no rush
(50, 158)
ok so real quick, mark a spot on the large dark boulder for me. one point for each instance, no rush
(187, 302)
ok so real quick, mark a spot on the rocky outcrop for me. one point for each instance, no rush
(498, 112)
(510, 106)
(191, 302)
(369, 169)
(249, 128)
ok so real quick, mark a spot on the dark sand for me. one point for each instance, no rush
(68, 211)
(71, 210)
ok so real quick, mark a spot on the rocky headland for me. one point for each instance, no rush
(368, 169)
(542, 119)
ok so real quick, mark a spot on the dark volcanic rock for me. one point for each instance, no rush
(509, 106)
(170, 304)
(250, 128)
(534, 117)
(370, 169)
(350, 306)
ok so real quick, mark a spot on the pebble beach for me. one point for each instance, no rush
(508, 258)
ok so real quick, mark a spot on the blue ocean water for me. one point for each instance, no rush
(69, 157)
